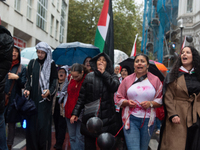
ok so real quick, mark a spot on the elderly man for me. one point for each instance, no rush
(41, 85)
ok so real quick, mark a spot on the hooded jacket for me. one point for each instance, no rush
(6, 48)
(98, 85)
(11, 114)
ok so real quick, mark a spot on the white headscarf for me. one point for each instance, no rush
(46, 70)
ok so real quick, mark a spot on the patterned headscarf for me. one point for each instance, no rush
(64, 93)
(46, 70)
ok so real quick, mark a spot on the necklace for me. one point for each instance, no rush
(77, 84)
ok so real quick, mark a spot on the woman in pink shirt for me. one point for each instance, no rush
(138, 95)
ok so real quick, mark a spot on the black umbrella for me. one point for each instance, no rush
(152, 67)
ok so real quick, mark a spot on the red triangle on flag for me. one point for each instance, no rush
(104, 12)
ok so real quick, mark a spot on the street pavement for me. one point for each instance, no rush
(20, 141)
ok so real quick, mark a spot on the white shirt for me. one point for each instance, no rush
(139, 92)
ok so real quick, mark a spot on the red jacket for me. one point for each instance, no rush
(73, 93)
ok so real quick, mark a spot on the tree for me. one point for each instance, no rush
(127, 23)
(83, 19)
(84, 16)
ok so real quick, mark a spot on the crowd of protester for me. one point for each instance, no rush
(127, 101)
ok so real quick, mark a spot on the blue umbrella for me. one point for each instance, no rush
(29, 53)
(74, 52)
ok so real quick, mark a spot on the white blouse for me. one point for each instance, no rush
(139, 92)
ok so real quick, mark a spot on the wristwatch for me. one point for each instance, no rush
(151, 104)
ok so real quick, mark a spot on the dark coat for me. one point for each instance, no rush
(11, 114)
(39, 125)
(6, 48)
(98, 85)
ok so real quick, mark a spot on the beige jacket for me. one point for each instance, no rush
(178, 102)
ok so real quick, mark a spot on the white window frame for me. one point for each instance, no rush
(52, 24)
(190, 6)
(56, 29)
(58, 3)
(18, 5)
(41, 21)
(29, 9)
(62, 21)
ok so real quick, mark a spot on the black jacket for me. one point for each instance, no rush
(98, 85)
(6, 48)
(10, 113)
(38, 129)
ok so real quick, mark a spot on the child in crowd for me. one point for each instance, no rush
(58, 111)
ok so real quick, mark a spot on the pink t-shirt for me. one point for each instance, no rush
(139, 92)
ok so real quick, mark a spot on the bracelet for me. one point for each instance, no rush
(151, 104)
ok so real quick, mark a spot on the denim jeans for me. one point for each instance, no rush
(75, 137)
(137, 138)
(3, 144)
(157, 123)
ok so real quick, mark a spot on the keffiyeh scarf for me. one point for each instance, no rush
(64, 93)
(44, 79)
(182, 69)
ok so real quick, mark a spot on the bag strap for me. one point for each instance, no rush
(32, 66)
(95, 79)
(140, 79)
(70, 79)
(12, 85)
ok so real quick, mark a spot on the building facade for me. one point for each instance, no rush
(163, 23)
(33, 21)
(189, 14)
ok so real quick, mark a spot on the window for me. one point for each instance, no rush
(17, 5)
(62, 21)
(51, 26)
(58, 2)
(42, 14)
(189, 6)
(56, 31)
(29, 9)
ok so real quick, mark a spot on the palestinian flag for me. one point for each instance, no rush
(104, 38)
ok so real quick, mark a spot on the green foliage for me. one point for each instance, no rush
(84, 16)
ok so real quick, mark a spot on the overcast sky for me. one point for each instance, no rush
(139, 1)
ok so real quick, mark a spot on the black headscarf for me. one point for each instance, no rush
(109, 67)
(127, 68)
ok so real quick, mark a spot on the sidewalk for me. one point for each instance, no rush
(66, 145)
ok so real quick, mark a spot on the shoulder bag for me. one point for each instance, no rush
(7, 96)
(92, 109)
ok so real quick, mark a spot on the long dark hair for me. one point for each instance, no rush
(79, 68)
(195, 63)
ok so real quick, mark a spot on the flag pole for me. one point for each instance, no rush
(183, 44)
(133, 53)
